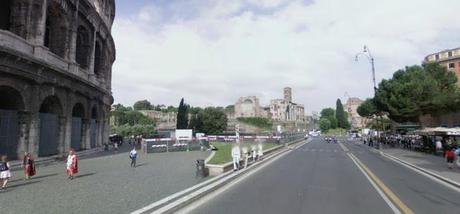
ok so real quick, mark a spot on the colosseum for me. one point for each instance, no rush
(56, 61)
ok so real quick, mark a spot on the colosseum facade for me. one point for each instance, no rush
(56, 61)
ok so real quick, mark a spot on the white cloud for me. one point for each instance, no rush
(229, 49)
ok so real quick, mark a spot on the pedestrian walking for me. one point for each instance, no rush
(450, 156)
(236, 154)
(133, 157)
(115, 146)
(457, 154)
(28, 165)
(245, 156)
(72, 164)
(5, 173)
(260, 151)
(254, 153)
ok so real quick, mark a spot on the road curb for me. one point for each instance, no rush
(177, 201)
(422, 170)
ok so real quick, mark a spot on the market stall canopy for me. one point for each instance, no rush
(438, 131)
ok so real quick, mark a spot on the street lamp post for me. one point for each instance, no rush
(367, 53)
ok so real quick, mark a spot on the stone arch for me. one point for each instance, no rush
(83, 47)
(77, 131)
(57, 28)
(11, 104)
(50, 126)
(99, 58)
(5, 14)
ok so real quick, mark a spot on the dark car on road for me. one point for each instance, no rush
(116, 138)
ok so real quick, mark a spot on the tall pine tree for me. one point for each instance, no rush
(340, 115)
(182, 115)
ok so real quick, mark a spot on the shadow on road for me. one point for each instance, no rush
(142, 164)
(45, 176)
(23, 184)
(85, 175)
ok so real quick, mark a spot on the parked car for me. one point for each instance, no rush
(116, 138)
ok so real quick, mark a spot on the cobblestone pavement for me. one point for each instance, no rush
(104, 185)
(430, 162)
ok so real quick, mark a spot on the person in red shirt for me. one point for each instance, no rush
(450, 156)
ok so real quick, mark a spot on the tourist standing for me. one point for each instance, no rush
(245, 156)
(5, 173)
(133, 156)
(236, 154)
(450, 156)
(28, 165)
(72, 164)
(260, 151)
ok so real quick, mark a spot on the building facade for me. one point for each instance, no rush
(285, 109)
(56, 61)
(249, 106)
(351, 106)
(451, 60)
(448, 58)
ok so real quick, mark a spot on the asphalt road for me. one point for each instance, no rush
(321, 178)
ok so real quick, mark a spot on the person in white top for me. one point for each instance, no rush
(72, 164)
(236, 154)
(260, 151)
(133, 156)
(5, 173)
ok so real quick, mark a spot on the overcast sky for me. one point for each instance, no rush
(211, 52)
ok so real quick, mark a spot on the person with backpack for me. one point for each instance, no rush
(133, 157)
(450, 156)
(5, 173)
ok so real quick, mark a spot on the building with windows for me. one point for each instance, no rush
(285, 109)
(451, 59)
(56, 61)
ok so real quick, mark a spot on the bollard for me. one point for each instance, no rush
(200, 169)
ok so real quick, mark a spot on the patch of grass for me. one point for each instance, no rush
(224, 151)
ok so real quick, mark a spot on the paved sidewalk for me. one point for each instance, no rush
(104, 184)
(435, 164)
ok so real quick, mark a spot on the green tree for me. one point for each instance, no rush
(324, 124)
(214, 120)
(342, 121)
(416, 91)
(182, 115)
(230, 109)
(329, 114)
(143, 105)
(367, 108)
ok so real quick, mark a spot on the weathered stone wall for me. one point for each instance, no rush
(39, 69)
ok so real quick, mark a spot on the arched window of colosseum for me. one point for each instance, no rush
(56, 30)
(11, 99)
(5, 13)
(83, 47)
(99, 59)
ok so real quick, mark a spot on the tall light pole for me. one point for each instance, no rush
(367, 53)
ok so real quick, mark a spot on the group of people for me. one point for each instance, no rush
(244, 154)
(28, 165)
